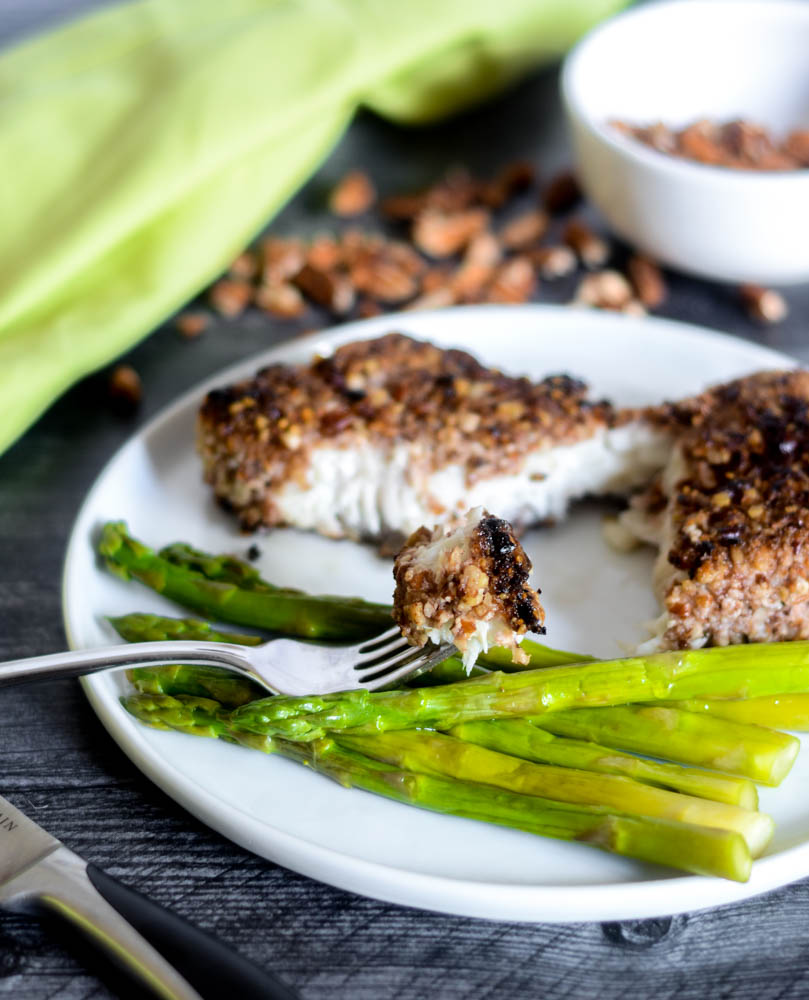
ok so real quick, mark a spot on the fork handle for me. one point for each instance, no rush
(88, 661)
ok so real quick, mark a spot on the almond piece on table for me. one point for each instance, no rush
(604, 290)
(230, 296)
(124, 389)
(438, 298)
(764, 305)
(514, 281)
(282, 299)
(439, 234)
(591, 249)
(383, 280)
(647, 280)
(326, 288)
(554, 261)
(513, 178)
(562, 193)
(523, 230)
(192, 323)
(354, 194)
(281, 259)
(324, 253)
(476, 270)
(244, 266)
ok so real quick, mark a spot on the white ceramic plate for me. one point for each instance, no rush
(594, 598)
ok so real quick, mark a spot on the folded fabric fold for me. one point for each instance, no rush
(144, 145)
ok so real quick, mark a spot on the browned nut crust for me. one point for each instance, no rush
(468, 585)
(354, 194)
(257, 435)
(764, 305)
(738, 513)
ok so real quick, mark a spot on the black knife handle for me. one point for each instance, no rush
(211, 967)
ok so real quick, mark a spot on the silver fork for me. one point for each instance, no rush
(280, 666)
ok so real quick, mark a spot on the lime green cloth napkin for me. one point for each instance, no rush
(144, 145)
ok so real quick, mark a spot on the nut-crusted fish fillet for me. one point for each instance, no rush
(730, 514)
(467, 586)
(389, 434)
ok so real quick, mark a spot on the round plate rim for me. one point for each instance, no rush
(463, 897)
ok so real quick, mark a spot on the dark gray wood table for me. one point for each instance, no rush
(60, 766)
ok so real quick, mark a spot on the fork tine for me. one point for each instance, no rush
(384, 656)
(419, 660)
(382, 640)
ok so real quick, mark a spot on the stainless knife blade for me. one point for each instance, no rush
(174, 959)
(22, 843)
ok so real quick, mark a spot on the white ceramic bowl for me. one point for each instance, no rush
(676, 62)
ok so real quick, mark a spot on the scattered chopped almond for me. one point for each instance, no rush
(438, 298)
(523, 230)
(591, 249)
(647, 280)
(514, 281)
(281, 299)
(764, 305)
(192, 323)
(281, 259)
(367, 309)
(324, 253)
(515, 177)
(384, 280)
(230, 296)
(326, 288)
(124, 388)
(354, 194)
(439, 234)
(739, 144)
(604, 290)
(553, 261)
(562, 193)
(244, 266)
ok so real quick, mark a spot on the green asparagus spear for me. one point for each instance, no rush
(229, 689)
(780, 711)
(739, 748)
(211, 682)
(433, 753)
(519, 738)
(225, 568)
(703, 850)
(726, 672)
(143, 626)
(324, 617)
